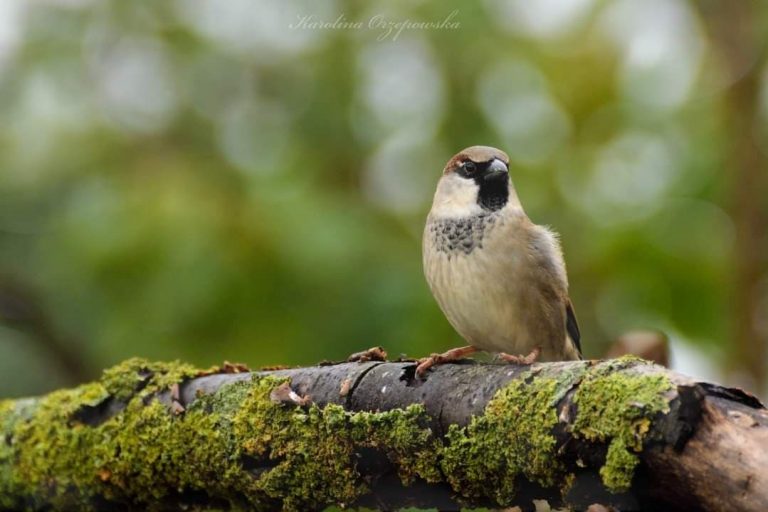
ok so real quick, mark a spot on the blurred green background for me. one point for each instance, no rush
(247, 180)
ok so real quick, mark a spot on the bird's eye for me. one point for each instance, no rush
(469, 166)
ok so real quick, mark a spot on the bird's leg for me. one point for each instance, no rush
(446, 357)
(521, 360)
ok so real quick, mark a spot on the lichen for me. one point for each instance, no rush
(514, 437)
(618, 408)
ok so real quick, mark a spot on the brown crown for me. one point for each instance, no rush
(477, 154)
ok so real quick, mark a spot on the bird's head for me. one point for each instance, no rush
(475, 180)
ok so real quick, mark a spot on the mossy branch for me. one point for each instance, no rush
(159, 436)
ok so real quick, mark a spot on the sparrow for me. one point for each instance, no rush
(499, 278)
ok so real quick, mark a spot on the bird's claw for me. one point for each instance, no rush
(372, 354)
(425, 363)
(521, 359)
(446, 357)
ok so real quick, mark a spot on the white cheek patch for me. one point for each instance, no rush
(455, 197)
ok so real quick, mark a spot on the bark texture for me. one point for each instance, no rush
(622, 432)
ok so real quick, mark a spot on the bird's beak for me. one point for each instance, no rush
(496, 170)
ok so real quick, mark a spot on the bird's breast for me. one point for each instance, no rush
(460, 235)
(470, 267)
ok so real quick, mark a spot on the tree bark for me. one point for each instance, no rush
(622, 433)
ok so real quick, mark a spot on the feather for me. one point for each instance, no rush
(571, 326)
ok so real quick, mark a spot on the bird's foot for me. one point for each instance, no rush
(521, 360)
(372, 354)
(446, 357)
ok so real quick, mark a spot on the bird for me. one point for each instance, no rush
(499, 278)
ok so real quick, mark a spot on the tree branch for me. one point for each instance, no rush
(155, 436)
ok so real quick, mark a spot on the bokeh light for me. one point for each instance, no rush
(248, 180)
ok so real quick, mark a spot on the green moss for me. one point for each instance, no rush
(44, 444)
(160, 452)
(402, 435)
(59, 460)
(616, 404)
(512, 438)
(313, 451)
(618, 407)
(619, 467)
(239, 447)
(235, 445)
(306, 455)
(136, 374)
(7, 421)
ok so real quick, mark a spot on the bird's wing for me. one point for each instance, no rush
(571, 326)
